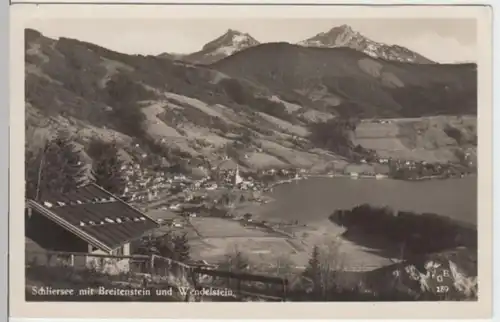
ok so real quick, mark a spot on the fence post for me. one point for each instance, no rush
(238, 286)
(151, 264)
(285, 289)
(194, 279)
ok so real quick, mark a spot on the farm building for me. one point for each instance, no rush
(88, 220)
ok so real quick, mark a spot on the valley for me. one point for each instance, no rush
(248, 147)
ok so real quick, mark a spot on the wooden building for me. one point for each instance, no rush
(87, 220)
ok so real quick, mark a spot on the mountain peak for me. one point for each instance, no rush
(232, 39)
(339, 36)
(345, 36)
(344, 27)
(225, 45)
(234, 32)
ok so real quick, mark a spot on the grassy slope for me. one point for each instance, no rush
(198, 110)
(366, 87)
(426, 139)
(68, 85)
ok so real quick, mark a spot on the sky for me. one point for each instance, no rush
(442, 40)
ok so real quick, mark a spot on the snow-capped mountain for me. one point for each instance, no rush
(227, 44)
(345, 36)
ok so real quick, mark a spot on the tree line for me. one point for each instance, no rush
(61, 166)
(420, 233)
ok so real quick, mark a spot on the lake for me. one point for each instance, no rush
(315, 199)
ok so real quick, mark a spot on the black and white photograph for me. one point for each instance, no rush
(251, 159)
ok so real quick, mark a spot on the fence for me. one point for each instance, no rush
(161, 270)
(246, 284)
(104, 263)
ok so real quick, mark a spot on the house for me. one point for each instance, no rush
(354, 175)
(87, 220)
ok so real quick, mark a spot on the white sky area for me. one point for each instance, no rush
(442, 40)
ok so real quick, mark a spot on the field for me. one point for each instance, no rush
(425, 139)
(219, 237)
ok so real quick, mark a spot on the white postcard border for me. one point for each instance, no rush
(19, 308)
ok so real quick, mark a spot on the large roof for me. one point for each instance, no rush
(96, 216)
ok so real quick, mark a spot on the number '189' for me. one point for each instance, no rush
(442, 289)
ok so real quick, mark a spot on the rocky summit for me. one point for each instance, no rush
(230, 42)
(345, 36)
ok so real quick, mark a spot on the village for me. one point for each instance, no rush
(216, 214)
(208, 196)
(185, 195)
(222, 206)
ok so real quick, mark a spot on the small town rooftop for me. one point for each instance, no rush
(95, 215)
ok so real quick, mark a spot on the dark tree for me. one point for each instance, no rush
(148, 246)
(61, 168)
(165, 245)
(181, 247)
(31, 170)
(107, 166)
(235, 261)
(231, 150)
(226, 199)
(161, 246)
(333, 135)
(74, 172)
(123, 93)
(169, 245)
(240, 262)
(313, 269)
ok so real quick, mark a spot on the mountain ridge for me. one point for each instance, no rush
(337, 37)
(257, 106)
(230, 42)
(345, 36)
(341, 72)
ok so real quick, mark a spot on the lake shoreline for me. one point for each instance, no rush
(376, 177)
(317, 196)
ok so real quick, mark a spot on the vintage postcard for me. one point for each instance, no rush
(336, 159)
